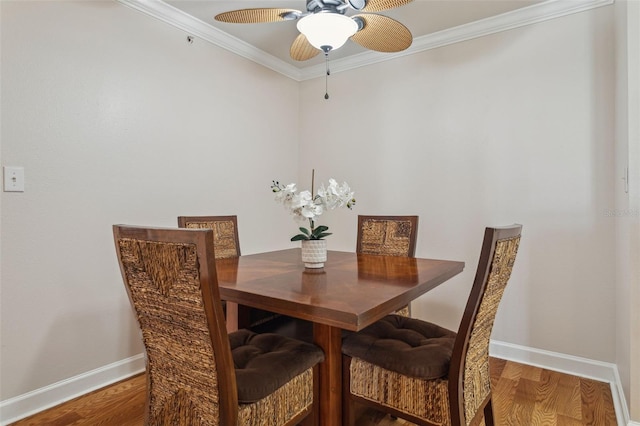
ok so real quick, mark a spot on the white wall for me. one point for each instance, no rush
(512, 127)
(628, 200)
(117, 119)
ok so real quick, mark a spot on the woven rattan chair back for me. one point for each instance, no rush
(170, 277)
(225, 232)
(387, 235)
(469, 379)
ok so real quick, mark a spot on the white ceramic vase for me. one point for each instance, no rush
(314, 253)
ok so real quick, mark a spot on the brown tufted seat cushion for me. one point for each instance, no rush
(265, 362)
(405, 345)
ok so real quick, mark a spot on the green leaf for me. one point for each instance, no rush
(320, 228)
(304, 230)
(299, 237)
(322, 235)
(318, 231)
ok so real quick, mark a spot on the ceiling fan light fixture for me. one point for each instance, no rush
(327, 29)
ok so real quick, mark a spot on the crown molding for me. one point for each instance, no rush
(193, 26)
(544, 11)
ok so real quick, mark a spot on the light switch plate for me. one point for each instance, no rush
(13, 179)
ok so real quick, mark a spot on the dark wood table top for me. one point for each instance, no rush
(350, 292)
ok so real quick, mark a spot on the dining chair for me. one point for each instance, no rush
(227, 245)
(225, 232)
(427, 374)
(389, 236)
(197, 373)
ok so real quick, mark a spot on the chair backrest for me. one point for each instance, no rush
(225, 232)
(469, 380)
(170, 277)
(387, 235)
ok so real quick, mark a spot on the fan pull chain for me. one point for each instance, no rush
(326, 77)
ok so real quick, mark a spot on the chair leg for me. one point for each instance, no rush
(488, 414)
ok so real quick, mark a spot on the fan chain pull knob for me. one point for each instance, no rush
(326, 77)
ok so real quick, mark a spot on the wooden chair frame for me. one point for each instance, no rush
(202, 239)
(460, 349)
(461, 346)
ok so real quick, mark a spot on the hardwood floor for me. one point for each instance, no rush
(120, 404)
(525, 395)
(522, 396)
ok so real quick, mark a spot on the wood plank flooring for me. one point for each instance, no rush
(522, 396)
(525, 395)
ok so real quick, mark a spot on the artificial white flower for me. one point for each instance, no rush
(335, 195)
(306, 206)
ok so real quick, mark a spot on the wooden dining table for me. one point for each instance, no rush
(351, 292)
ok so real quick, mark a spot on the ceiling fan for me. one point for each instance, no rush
(325, 26)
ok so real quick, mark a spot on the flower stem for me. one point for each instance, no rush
(313, 175)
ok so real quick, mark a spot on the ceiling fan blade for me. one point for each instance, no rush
(378, 5)
(255, 16)
(382, 34)
(301, 49)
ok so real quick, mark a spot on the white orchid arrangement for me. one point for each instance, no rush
(306, 206)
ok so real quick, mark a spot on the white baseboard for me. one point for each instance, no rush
(38, 400)
(576, 366)
(22, 406)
